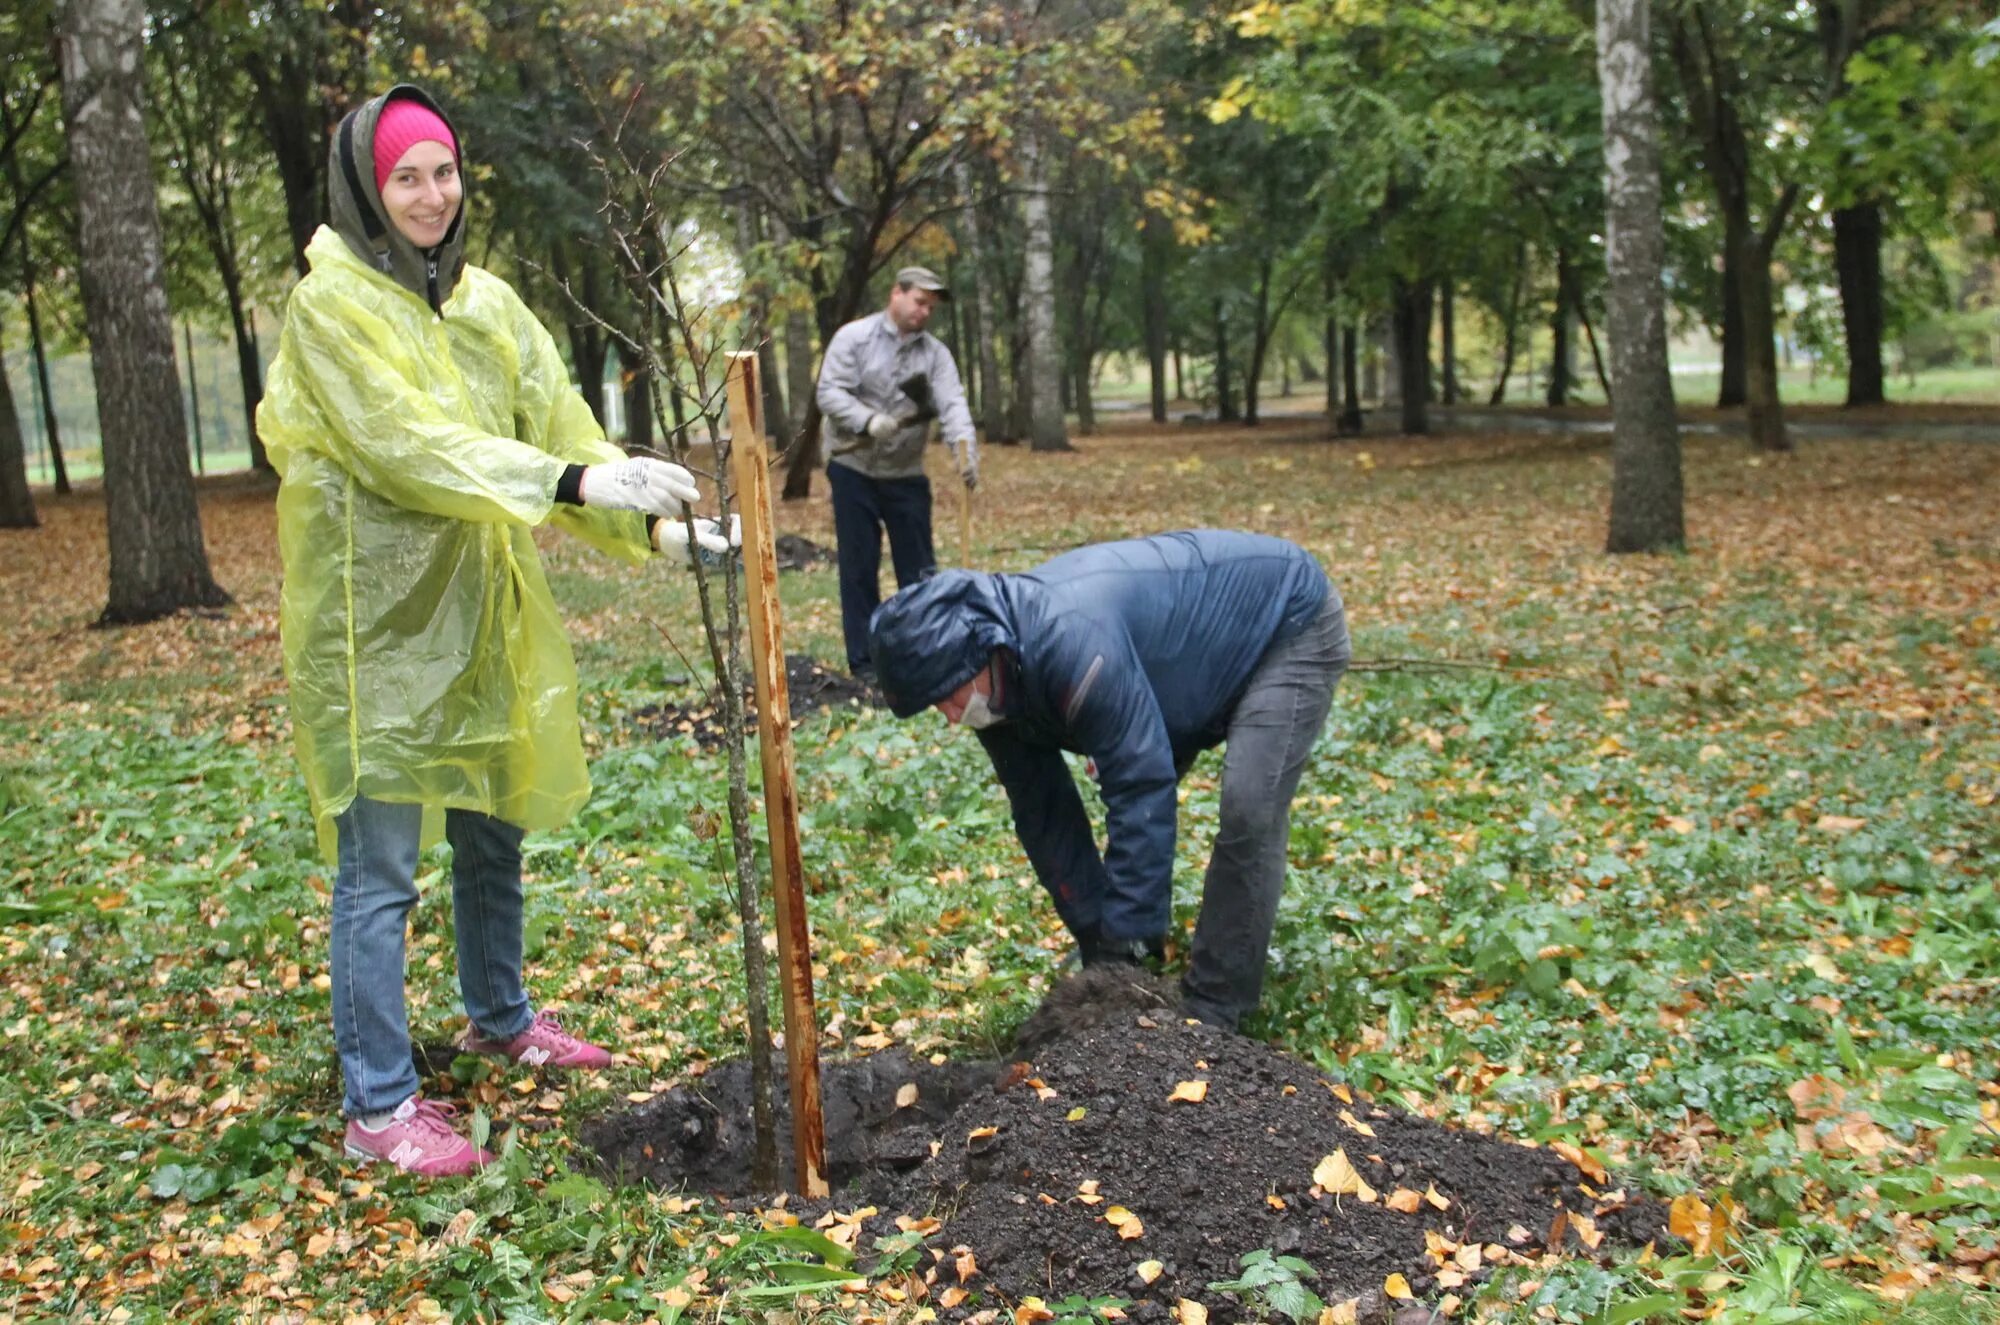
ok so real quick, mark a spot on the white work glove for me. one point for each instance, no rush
(671, 539)
(638, 484)
(881, 427)
(968, 465)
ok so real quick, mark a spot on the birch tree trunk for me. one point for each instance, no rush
(158, 562)
(1646, 513)
(1047, 430)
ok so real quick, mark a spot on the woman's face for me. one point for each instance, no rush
(421, 194)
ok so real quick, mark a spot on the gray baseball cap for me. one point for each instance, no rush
(923, 278)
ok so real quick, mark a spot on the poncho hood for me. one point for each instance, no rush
(360, 219)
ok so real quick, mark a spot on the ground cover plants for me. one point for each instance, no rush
(1685, 865)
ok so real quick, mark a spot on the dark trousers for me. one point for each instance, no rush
(862, 508)
(1271, 734)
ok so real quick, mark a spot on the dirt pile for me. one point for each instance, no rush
(1139, 1155)
(814, 689)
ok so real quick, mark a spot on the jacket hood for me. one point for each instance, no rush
(932, 637)
(360, 219)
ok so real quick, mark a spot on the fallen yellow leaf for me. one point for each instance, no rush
(1398, 1287)
(1404, 1201)
(1342, 1313)
(906, 1094)
(1148, 1271)
(1437, 1202)
(1575, 1155)
(1190, 1092)
(1191, 1313)
(1334, 1174)
(1347, 1116)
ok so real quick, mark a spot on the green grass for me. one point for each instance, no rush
(1629, 900)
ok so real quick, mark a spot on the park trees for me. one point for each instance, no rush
(158, 562)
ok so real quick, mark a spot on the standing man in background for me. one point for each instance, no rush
(883, 379)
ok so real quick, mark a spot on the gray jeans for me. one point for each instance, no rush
(1271, 733)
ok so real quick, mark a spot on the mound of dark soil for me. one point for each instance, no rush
(814, 689)
(1127, 1136)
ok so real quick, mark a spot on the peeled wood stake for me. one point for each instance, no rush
(751, 468)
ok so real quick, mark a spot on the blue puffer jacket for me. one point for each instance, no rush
(1132, 653)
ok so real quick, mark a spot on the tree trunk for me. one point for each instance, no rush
(1180, 378)
(47, 401)
(1857, 250)
(1646, 447)
(1513, 323)
(1760, 359)
(1596, 354)
(1391, 355)
(798, 369)
(1448, 343)
(249, 371)
(1260, 341)
(1562, 356)
(158, 562)
(1733, 390)
(1330, 346)
(1412, 325)
(638, 401)
(1371, 362)
(1154, 238)
(17, 500)
(1350, 364)
(1225, 400)
(1047, 429)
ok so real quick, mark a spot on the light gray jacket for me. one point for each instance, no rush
(857, 380)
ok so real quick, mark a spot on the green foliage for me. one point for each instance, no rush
(1273, 1286)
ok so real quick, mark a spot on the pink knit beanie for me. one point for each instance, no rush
(402, 125)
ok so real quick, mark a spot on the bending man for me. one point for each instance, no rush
(1138, 655)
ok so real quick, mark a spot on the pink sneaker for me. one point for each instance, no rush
(544, 1044)
(419, 1138)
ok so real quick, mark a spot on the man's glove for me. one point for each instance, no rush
(671, 538)
(638, 484)
(882, 427)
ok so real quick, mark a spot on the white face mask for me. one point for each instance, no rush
(977, 714)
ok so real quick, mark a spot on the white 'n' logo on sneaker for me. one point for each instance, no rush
(534, 1055)
(407, 1154)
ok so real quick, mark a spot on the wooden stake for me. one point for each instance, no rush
(751, 468)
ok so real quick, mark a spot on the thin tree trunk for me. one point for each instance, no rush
(158, 562)
(17, 500)
(1562, 356)
(1225, 401)
(1596, 355)
(1411, 319)
(1180, 378)
(194, 396)
(1392, 350)
(1260, 340)
(1330, 346)
(798, 370)
(1734, 388)
(47, 400)
(1766, 415)
(1047, 429)
(1371, 361)
(1154, 238)
(1350, 364)
(1857, 249)
(1513, 323)
(1646, 449)
(638, 401)
(249, 371)
(1448, 343)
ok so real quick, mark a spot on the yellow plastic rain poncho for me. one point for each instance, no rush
(418, 448)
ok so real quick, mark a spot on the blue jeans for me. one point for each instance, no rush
(863, 508)
(373, 891)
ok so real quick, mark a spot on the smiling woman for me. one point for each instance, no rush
(422, 192)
